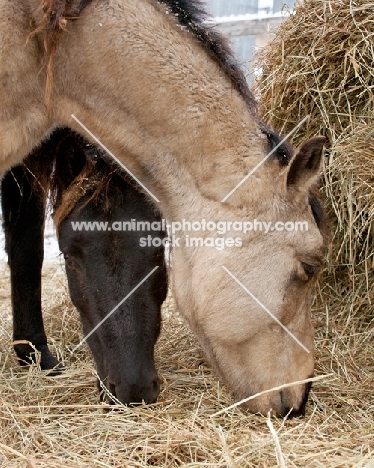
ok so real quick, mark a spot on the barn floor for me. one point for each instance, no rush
(58, 422)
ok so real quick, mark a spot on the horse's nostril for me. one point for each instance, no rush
(296, 413)
(292, 412)
(134, 393)
(156, 385)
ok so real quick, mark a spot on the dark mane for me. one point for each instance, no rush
(192, 15)
(99, 169)
(84, 172)
(68, 168)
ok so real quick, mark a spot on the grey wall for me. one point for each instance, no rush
(232, 7)
(243, 45)
(278, 4)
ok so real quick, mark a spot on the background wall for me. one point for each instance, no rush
(257, 14)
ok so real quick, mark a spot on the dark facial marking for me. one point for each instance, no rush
(284, 152)
(318, 212)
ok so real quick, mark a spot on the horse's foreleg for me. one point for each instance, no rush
(23, 222)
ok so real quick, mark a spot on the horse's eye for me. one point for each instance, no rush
(310, 270)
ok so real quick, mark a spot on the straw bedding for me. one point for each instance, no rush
(320, 63)
(58, 422)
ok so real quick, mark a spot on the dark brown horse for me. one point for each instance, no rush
(164, 93)
(102, 266)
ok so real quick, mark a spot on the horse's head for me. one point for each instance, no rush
(253, 317)
(104, 265)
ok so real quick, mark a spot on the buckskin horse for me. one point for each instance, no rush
(164, 93)
(102, 267)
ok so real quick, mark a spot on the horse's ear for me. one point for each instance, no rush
(305, 166)
(70, 159)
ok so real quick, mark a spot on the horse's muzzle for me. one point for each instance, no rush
(135, 393)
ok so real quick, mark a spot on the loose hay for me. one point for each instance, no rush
(58, 422)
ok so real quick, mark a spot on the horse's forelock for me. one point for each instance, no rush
(98, 173)
(68, 199)
(92, 180)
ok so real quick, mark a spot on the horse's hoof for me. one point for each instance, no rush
(57, 370)
(45, 359)
(48, 362)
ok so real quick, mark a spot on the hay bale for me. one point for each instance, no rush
(320, 63)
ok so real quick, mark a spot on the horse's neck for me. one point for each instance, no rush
(150, 92)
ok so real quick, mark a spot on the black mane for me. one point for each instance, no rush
(192, 14)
